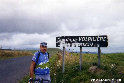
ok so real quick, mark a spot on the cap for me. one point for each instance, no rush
(43, 43)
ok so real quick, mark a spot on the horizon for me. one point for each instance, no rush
(72, 50)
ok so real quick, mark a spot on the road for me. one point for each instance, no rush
(13, 70)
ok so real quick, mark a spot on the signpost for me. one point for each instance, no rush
(63, 65)
(99, 51)
(80, 58)
(82, 41)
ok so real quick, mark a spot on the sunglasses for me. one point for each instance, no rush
(43, 43)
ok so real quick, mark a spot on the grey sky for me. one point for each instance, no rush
(24, 23)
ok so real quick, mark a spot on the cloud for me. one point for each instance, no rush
(34, 16)
(27, 25)
(51, 18)
(22, 40)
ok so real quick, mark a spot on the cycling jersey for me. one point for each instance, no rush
(42, 66)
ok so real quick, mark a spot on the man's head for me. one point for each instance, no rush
(43, 47)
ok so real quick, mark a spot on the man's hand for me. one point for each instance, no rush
(30, 80)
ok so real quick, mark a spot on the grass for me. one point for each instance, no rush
(53, 51)
(7, 54)
(112, 66)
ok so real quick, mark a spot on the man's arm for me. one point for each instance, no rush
(32, 69)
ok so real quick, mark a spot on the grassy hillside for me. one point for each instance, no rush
(6, 54)
(53, 51)
(112, 66)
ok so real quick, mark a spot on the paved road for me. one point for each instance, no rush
(12, 70)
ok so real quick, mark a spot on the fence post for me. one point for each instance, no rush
(63, 64)
(99, 56)
(80, 58)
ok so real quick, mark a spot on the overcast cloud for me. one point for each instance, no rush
(25, 23)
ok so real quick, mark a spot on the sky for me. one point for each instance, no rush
(26, 23)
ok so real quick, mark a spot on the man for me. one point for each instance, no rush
(40, 64)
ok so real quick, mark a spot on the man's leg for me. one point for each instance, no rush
(37, 77)
(45, 77)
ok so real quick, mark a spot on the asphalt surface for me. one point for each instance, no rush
(13, 70)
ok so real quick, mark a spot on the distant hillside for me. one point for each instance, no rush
(54, 49)
(85, 52)
(5, 54)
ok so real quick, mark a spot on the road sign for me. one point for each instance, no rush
(82, 41)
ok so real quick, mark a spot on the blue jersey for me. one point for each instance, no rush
(42, 66)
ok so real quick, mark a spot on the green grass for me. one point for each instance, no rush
(106, 71)
(7, 54)
(53, 51)
(112, 66)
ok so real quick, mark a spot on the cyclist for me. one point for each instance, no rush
(40, 64)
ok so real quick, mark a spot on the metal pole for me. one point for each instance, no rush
(80, 58)
(99, 56)
(63, 65)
